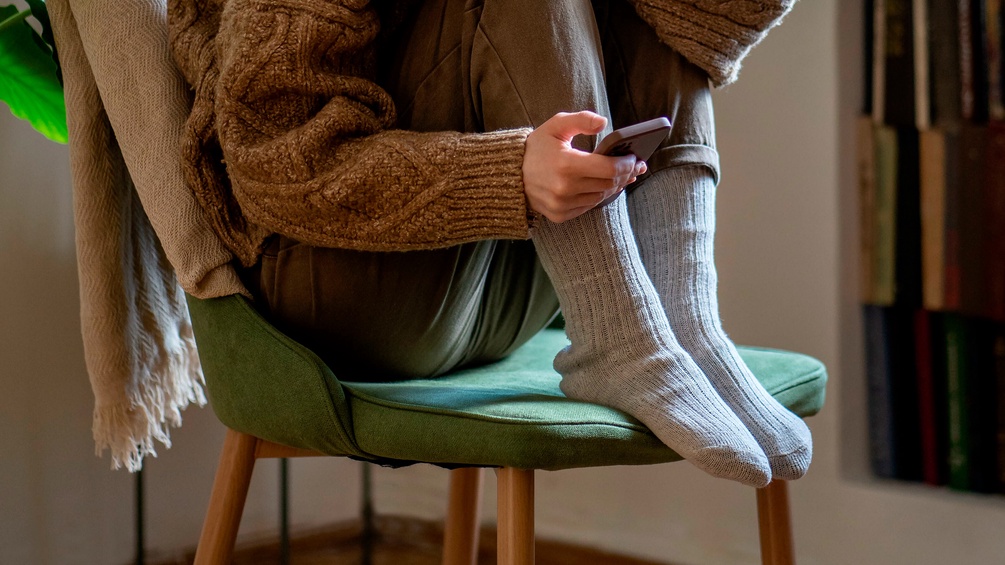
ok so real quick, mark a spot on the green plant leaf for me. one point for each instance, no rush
(6, 13)
(41, 13)
(28, 81)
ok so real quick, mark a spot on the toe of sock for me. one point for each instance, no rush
(791, 466)
(749, 468)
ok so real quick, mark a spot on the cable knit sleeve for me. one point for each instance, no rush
(307, 137)
(713, 34)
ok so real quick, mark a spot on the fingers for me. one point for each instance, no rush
(589, 165)
(564, 126)
(597, 172)
(569, 198)
(562, 182)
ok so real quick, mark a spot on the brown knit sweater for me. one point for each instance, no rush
(290, 134)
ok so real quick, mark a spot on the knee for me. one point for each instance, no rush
(537, 23)
(553, 11)
(533, 58)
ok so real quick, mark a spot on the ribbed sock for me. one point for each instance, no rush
(673, 217)
(623, 353)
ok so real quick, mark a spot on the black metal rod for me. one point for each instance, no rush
(140, 526)
(284, 511)
(369, 534)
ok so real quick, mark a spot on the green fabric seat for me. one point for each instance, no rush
(510, 413)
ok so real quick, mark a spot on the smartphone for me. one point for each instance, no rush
(640, 140)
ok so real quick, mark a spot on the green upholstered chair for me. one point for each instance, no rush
(278, 399)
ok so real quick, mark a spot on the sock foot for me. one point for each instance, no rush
(673, 215)
(624, 354)
(678, 406)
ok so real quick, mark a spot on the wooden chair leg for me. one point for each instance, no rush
(460, 538)
(226, 504)
(775, 524)
(515, 516)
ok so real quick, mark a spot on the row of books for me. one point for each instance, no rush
(936, 386)
(934, 62)
(933, 286)
(931, 158)
(932, 212)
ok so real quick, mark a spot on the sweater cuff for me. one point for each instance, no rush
(487, 197)
(714, 35)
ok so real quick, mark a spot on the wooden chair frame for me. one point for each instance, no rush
(515, 493)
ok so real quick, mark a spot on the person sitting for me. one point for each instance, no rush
(410, 188)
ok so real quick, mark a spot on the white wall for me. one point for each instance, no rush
(59, 504)
(49, 481)
(786, 259)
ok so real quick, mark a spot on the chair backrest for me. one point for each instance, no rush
(257, 377)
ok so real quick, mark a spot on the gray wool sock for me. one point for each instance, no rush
(673, 216)
(623, 353)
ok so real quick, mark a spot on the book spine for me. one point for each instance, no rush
(981, 406)
(922, 61)
(899, 97)
(878, 374)
(908, 221)
(926, 397)
(944, 53)
(933, 218)
(885, 231)
(979, 55)
(868, 55)
(957, 374)
(878, 61)
(866, 161)
(993, 219)
(953, 284)
(972, 242)
(966, 39)
(999, 376)
(937, 357)
(993, 58)
(904, 403)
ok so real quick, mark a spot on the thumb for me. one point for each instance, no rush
(565, 126)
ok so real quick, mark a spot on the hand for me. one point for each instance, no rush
(562, 182)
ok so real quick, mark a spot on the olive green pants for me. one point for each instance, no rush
(479, 65)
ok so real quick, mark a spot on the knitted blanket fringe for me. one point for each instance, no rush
(166, 354)
(141, 236)
(129, 429)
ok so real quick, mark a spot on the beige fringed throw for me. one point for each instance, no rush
(135, 218)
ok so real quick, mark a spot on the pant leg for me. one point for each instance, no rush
(399, 315)
(387, 316)
(647, 79)
(375, 316)
(520, 61)
(530, 59)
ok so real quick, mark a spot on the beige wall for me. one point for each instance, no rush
(786, 259)
(59, 504)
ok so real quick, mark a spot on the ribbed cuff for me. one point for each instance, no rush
(486, 199)
(714, 35)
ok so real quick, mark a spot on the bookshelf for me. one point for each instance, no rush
(930, 157)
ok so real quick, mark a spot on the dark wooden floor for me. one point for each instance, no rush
(401, 541)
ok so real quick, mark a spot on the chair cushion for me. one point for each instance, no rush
(512, 413)
(509, 413)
